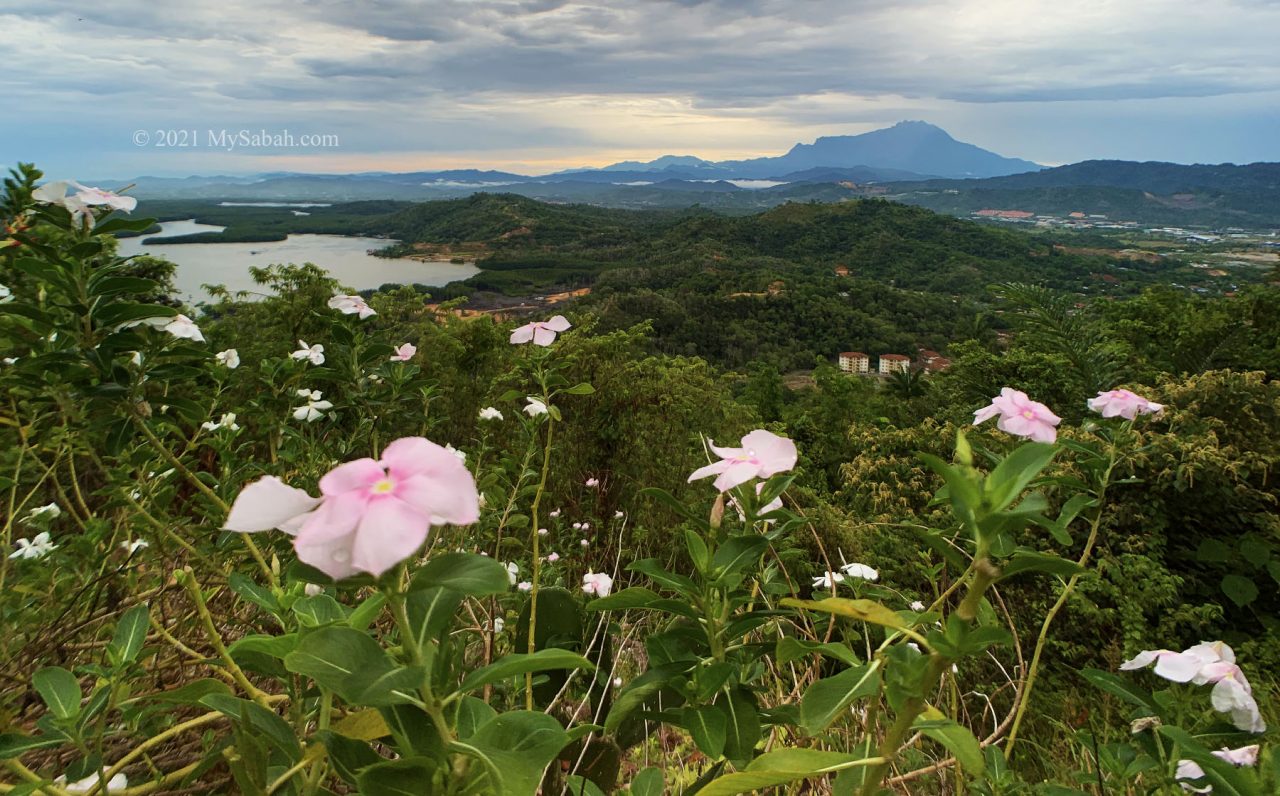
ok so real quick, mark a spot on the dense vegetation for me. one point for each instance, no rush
(928, 608)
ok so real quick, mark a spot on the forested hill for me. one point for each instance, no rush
(897, 244)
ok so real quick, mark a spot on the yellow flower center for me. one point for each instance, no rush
(384, 486)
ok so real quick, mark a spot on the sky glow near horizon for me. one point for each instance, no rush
(542, 85)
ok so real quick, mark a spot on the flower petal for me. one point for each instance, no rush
(267, 503)
(390, 531)
(359, 474)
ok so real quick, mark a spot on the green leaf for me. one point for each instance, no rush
(961, 490)
(430, 612)
(515, 747)
(115, 223)
(60, 691)
(352, 665)
(14, 744)
(698, 553)
(116, 285)
(523, 663)
(742, 724)
(639, 690)
(251, 592)
(1024, 560)
(1214, 551)
(827, 699)
(651, 567)
(363, 614)
(580, 389)
(467, 573)
(633, 597)
(274, 646)
(708, 727)
(736, 553)
(1241, 589)
(648, 782)
(1015, 472)
(267, 723)
(131, 633)
(348, 756)
(793, 649)
(115, 314)
(864, 610)
(318, 611)
(1120, 688)
(410, 776)
(780, 767)
(958, 740)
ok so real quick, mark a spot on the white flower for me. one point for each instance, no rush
(136, 359)
(10, 360)
(577, 526)
(228, 421)
(179, 326)
(617, 682)
(39, 547)
(592, 483)
(351, 305)
(79, 203)
(513, 572)
(555, 513)
(230, 359)
(828, 580)
(535, 407)
(524, 585)
(498, 624)
(1189, 770)
(617, 515)
(314, 408)
(860, 571)
(584, 542)
(5, 294)
(542, 532)
(313, 589)
(462, 456)
(553, 557)
(597, 583)
(116, 784)
(50, 510)
(586, 526)
(1244, 756)
(315, 353)
(131, 546)
(1206, 663)
(917, 606)
(490, 413)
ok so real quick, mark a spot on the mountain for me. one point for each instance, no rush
(908, 146)
(903, 151)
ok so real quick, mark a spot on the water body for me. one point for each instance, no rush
(345, 258)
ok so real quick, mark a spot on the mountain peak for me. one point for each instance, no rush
(912, 145)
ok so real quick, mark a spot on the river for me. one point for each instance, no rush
(345, 258)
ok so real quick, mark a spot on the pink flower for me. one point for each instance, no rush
(584, 542)
(1210, 662)
(597, 583)
(351, 305)
(312, 353)
(79, 204)
(1020, 416)
(592, 483)
(762, 454)
(540, 332)
(405, 352)
(1122, 403)
(553, 557)
(372, 515)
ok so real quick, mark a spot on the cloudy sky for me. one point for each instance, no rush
(539, 85)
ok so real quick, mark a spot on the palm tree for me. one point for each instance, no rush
(907, 384)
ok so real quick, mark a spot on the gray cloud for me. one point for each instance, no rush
(522, 75)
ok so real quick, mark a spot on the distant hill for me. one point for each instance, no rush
(908, 146)
(1153, 176)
